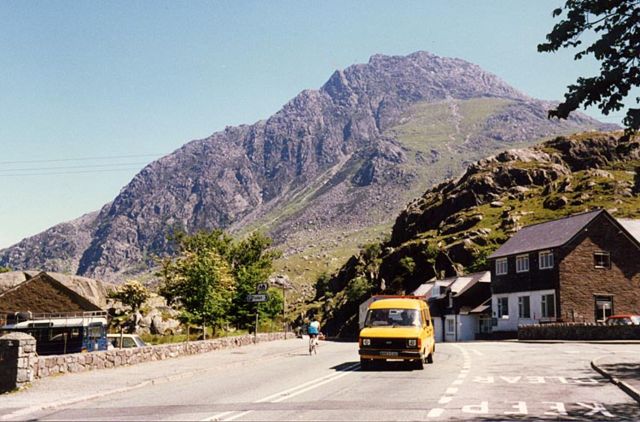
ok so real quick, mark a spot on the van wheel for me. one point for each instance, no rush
(418, 364)
(430, 358)
(366, 364)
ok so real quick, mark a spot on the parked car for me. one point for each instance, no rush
(128, 340)
(623, 320)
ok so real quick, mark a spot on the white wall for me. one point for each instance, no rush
(465, 328)
(438, 329)
(511, 323)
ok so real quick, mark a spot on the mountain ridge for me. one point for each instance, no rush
(332, 162)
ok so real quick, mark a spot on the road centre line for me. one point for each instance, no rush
(445, 399)
(451, 390)
(286, 394)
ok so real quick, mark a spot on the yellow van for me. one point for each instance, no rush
(397, 328)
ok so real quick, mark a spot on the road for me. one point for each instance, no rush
(273, 382)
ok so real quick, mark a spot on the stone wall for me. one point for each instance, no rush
(18, 361)
(79, 362)
(578, 331)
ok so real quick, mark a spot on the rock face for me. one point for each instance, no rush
(334, 160)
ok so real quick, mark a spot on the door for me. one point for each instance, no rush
(450, 328)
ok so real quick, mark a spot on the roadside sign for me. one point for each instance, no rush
(262, 287)
(257, 298)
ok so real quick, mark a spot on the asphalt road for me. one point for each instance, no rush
(481, 381)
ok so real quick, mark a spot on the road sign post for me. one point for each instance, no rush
(257, 299)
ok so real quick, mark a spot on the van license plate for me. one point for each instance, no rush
(383, 353)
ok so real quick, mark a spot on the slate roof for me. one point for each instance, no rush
(546, 235)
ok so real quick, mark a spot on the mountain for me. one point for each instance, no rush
(323, 175)
(454, 226)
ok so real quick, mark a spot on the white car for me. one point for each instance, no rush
(117, 341)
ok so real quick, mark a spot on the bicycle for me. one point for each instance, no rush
(313, 345)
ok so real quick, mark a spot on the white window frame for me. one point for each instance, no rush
(602, 253)
(545, 260)
(522, 263)
(450, 326)
(521, 300)
(502, 314)
(502, 266)
(544, 305)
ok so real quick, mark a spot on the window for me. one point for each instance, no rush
(601, 260)
(503, 307)
(604, 307)
(548, 306)
(546, 259)
(524, 307)
(522, 263)
(450, 326)
(501, 266)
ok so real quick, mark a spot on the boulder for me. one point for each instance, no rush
(555, 202)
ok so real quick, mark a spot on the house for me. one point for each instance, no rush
(460, 311)
(580, 268)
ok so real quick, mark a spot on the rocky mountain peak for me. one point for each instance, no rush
(319, 173)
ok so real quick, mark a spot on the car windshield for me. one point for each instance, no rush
(393, 318)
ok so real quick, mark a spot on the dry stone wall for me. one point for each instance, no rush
(576, 331)
(80, 362)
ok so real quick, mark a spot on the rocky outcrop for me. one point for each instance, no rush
(454, 226)
(329, 161)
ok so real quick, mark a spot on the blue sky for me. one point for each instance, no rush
(85, 82)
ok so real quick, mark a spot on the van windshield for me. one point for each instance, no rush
(393, 318)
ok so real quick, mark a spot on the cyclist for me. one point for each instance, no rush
(313, 330)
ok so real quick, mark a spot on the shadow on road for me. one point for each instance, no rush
(389, 366)
(345, 366)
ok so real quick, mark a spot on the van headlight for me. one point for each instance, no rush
(412, 342)
(366, 342)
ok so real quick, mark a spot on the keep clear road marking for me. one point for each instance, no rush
(285, 394)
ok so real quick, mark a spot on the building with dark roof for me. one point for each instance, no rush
(582, 268)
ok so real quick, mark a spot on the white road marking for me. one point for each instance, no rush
(451, 390)
(445, 399)
(285, 394)
(478, 353)
(457, 382)
(435, 413)
(239, 415)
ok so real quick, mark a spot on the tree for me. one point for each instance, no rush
(5, 269)
(200, 279)
(213, 274)
(616, 27)
(251, 261)
(131, 294)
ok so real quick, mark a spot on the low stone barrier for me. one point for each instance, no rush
(578, 331)
(20, 365)
(79, 362)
